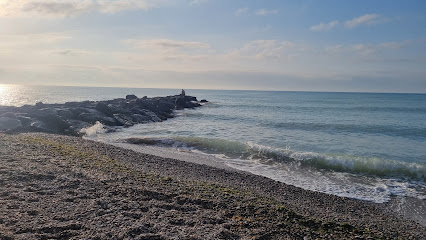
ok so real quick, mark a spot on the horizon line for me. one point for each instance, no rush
(215, 89)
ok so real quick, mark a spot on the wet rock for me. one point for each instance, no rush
(124, 120)
(9, 115)
(104, 108)
(71, 117)
(77, 125)
(51, 124)
(139, 118)
(131, 97)
(65, 113)
(39, 105)
(7, 123)
(95, 116)
(25, 121)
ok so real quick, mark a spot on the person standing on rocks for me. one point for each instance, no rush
(182, 93)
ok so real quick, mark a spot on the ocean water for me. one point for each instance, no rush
(369, 146)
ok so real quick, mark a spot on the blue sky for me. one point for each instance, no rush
(373, 46)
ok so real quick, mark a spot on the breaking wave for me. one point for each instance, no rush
(97, 128)
(371, 166)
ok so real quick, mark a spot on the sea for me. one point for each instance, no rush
(368, 146)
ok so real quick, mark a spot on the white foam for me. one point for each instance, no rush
(308, 170)
(97, 128)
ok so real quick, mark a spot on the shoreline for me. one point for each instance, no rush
(408, 207)
(173, 195)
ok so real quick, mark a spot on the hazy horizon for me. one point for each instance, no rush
(327, 46)
(212, 89)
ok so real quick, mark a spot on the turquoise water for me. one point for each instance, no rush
(361, 145)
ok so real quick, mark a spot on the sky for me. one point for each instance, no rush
(327, 45)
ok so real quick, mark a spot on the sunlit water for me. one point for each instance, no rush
(360, 145)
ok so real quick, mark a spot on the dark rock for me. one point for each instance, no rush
(71, 117)
(165, 106)
(77, 111)
(104, 108)
(26, 121)
(7, 123)
(191, 104)
(8, 115)
(39, 126)
(189, 99)
(131, 97)
(71, 104)
(77, 125)
(95, 116)
(65, 113)
(139, 118)
(204, 101)
(51, 123)
(152, 116)
(39, 105)
(124, 120)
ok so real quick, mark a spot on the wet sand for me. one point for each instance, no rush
(59, 187)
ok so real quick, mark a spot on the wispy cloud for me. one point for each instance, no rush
(71, 52)
(265, 12)
(265, 49)
(324, 26)
(241, 11)
(367, 19)
(66, 8)
(195, 2)
(165, 45)
(364, 49)
(395, 45)
(36, 39)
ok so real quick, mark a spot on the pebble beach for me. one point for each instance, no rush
(62, 187)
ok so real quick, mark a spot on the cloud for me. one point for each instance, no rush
(67, 8)
(367, 19)
(13, 41)
(71, 52)
(265, 12)
(395, 45)
(166, 45)
(195, 2)
(241, 11)
(365, 50)
(265, 49)
(324, 26)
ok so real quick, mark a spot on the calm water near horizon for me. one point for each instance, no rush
(362, 145)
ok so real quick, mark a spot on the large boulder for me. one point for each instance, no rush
(65, 113)
(124, 120)
(104, 108)
(131, 97)
(76, 126)
(50, 123)
(139, 118)
(92, 116)
(7, 123)
(151, 115)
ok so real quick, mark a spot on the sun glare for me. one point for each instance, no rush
(2, 89)
(4, 94)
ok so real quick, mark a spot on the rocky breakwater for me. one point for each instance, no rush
(69, 118)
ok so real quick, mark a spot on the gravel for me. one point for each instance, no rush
(60, 187)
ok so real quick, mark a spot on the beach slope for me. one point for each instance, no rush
(61, 187)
